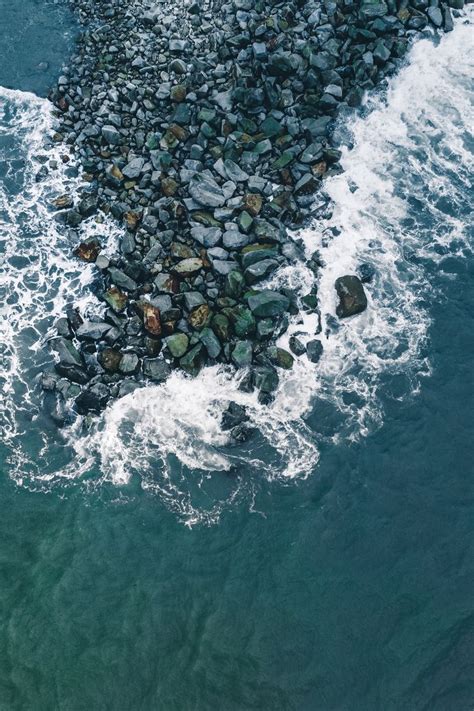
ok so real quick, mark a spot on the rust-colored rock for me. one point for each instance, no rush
(89, 250)
(116, 298)
(151, 318)
(199, 317)
(253, 203)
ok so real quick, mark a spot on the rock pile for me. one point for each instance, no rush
(205, 129)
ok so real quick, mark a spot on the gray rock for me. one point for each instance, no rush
(204, 189)
(134, 168)
(207, 236)
(130, 363)
(92, 331)
(111, 135)
(314, 350)
(120, 279)
(156, 369)
(260, 270)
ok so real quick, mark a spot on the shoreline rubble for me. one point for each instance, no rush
(204, 129)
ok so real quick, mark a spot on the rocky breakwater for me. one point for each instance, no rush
(205, 130)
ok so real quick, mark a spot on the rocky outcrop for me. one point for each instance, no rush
(205, 130)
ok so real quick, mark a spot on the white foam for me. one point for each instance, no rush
(38, 275)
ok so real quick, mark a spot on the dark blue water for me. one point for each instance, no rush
(139, 571)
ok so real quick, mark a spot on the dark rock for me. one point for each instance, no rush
(352, 298)
(268, 303)
(156, 369)
(92, 399)
(314, 350)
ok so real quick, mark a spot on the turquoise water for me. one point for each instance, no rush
(327, 564)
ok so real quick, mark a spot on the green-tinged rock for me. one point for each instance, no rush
(177, 344)
(211, 342)
(242, 320)
(193, 361)
(268, 303)
(256, 253)
(265, 378)
(220, 324)
(310, 302)
(280, 357)
(265, 328)
(270, 127)
(285, 159)
(234, 284)
(242, 354)
(116, 299)
(245, 221)
(297, 346)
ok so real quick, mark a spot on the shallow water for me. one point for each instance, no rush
(328, 562)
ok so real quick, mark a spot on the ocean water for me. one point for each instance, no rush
(326, 564)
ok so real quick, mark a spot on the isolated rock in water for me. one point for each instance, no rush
(314, 350)
(352, 298)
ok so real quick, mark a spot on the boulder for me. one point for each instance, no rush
(352, 298)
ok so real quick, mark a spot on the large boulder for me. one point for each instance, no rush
(352, 298)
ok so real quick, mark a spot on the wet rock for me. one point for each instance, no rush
(280, 357)
(296, 345)
(242, 354)
(366, 273)
(92, 399)
(268, 303)
(352, 298)
(177, 344)
(88, 250)
(314, 350)
(194, 360)
(156, 369)
(265, 378)
(233, 416)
